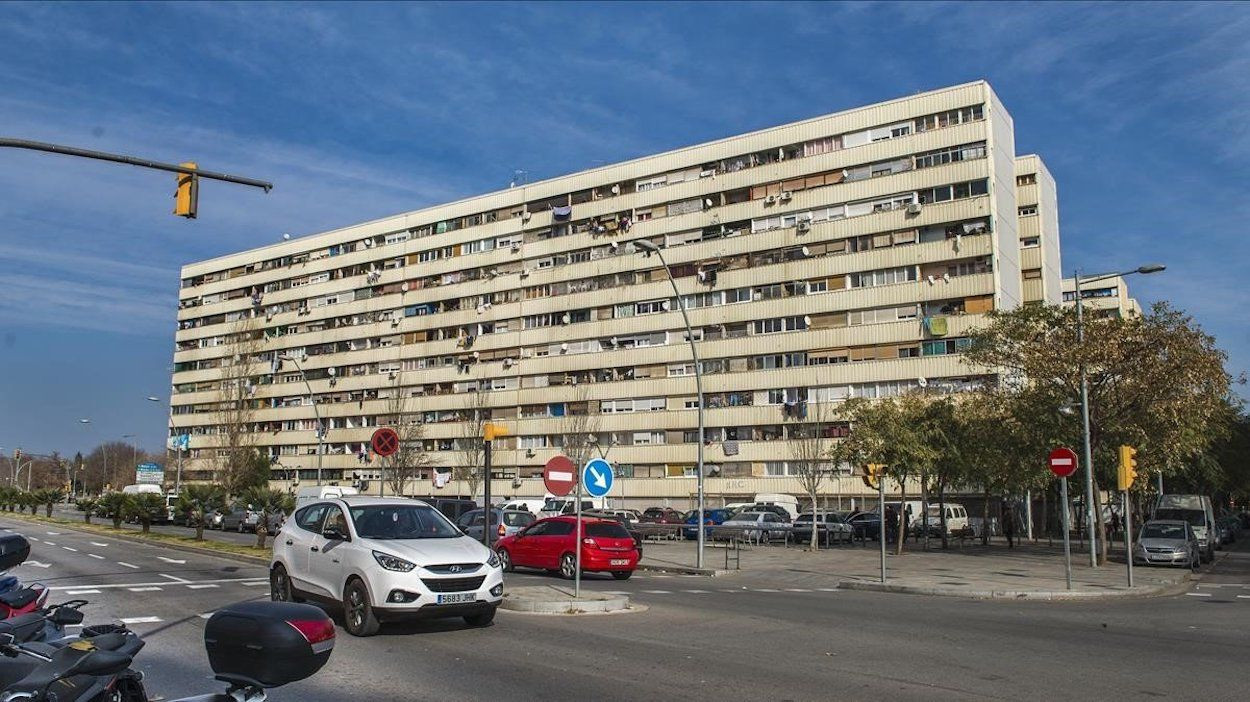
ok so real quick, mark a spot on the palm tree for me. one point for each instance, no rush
(269, 503)
(146, 507)
(197, 502)
(115, 505)
(49, 497)
(87, 505)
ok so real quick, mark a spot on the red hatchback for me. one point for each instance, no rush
(549, 543)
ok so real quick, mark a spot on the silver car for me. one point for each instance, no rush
(753, 526)
(1167, 542)
(504, 522)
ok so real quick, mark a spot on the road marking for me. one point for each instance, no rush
(141, 620)
(159, 583)
(97, 543)
(174, 578)
(797, 589)
(171, 560)
(95, 556)
(1198, 594)
(615, 592)
(54, 533)
(31, 538)
(67, 548)
(200, 587)
(699, 592)
(37, 564)
(128, 565)
(826, 589)
(255, 583)
(657, 592)
(1243, 597)
(728, 590)
(82, 592)
(49, 543)
(143, 589)
(765, 589)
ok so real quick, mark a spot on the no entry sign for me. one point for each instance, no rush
(560, 476)
(1062, 462)
(385, 442)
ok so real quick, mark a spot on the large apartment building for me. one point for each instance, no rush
(843, 256)
(1104, 295)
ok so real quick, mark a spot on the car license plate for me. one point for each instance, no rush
(457, 598)
(619, 561)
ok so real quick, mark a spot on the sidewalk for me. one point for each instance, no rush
(1025, 572)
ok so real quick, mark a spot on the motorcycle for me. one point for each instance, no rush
(16, 600)
(252, 647)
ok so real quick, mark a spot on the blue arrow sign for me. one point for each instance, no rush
(597, 477)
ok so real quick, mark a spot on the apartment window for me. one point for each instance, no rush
(957, 191)
(1026, 179)
(886, 276)
(651, 307)
(787, 396)
(1032, 274)
(942, 347)
(1028, 211)
(939, 157)
(817, 286)
(1030, 242)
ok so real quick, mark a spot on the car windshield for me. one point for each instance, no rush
(1163, 531)
(517, 518)
(607, 530)
(402, 522)
(1195, 517)
(804, 518)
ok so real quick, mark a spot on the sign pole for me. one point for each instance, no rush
(1128, 538)
(486, 493)
(577, 573)
(1067, 544)
(881, 531)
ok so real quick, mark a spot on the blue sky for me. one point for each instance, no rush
(1142, 112)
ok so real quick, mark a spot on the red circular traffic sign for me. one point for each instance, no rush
(560, 476)
(1062, 461)
(385, 442)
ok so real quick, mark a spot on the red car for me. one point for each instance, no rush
(549, 543)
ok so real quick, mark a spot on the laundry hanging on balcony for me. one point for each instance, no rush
(562, 212)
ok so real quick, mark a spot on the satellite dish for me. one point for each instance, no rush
(404, 287)
(286, 237)
(922, 382)
(331, 371)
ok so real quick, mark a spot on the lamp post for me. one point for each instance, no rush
(178, 447)
(649, 248)
(1089, 456)
(103, 447)
(316, 413)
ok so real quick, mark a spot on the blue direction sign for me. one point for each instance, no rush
(597, 477)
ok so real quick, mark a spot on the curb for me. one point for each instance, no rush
(551, 603)
(1017, 595)
(137, 539)
(682, 570)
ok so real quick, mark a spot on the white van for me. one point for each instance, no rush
(140, 489)
(532, 506)
(1198, 511)
(555, 506)
(789, 503)
(956, 518)
(306, 495)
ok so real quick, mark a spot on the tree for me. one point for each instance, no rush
(145, 507)
(8, 497)
(476, 416)
(87, 505)
(411, 459)
(49, 497)
(269, 503)
(236, 402)
(114, 505)
(197, 502)
(252, 471)
(579, 428)
(30, 501)
(1156, 382)
(813, 453)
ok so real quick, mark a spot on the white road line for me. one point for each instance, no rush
(128, 565)
(141, 620)
(67, 548)
(143, 589)
(657, 592)
(176, 578)
(49, 543)
(172, 560)
(97, 543)
(37, 564)
(826, 589)
(699, 592)
(95, 556)
(765, 589)
(54, 533)
(31, 538)
(615, 592)
(82, 592)
(728, 590)
(1243, 597)
(200, 587)
(1198, 594)
(159, 583)
(797, 589)
(255, 583)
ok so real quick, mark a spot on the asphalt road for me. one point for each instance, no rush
(781, 636)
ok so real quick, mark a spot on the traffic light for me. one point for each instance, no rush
(1128, 467)
(872, 475)
(187, 196)
(490, 432)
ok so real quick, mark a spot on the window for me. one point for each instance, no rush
(1026, 179)
(1030, 242)
(887, 276)
(1028, 211)
(309, 518)
(938, 157)
(1032, 274)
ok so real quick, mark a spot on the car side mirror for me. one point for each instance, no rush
(335, 535)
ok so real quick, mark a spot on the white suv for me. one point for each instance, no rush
(384, 559)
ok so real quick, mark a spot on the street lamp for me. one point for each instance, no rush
(649, 248)
(1089, 454)
(178, 447)
(316, 413)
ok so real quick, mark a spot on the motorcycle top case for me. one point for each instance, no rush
(267, 644)
(14, 550)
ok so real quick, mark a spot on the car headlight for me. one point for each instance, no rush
(390, 562)
(493, 561)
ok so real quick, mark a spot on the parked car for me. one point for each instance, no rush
(240, 517)
(865, 525)
(711, 517)
(556, 506)
(830, 528)
(956, 520)
(1168, 542)
(550, 544)
(779, 510)
(1197, 511)
(451, 507)
(385, 559)
(213, 519)
(504, 522)
(624, 518)
(662, 515)
(755, 526)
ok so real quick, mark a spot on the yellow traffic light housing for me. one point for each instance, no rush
(187, 196)
(872, 475)
(1127, 472)
(490, 432)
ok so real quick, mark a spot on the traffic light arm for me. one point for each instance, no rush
(132, 161)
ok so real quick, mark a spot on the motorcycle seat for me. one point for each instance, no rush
(23, 627)
(19, 598)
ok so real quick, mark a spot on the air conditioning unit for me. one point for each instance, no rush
(368, 243)
(770, 199)
(525, 216)
(515, 247)
(785, 196)
(507, 363)
(525, 272)
(804, 227)
(914, 208)
(708, 173)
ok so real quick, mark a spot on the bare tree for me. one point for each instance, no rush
(579, 428)
(236, 404)
(470, 444)
(407, 463)
(813, 452)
